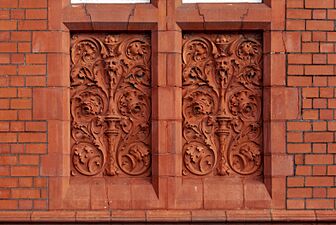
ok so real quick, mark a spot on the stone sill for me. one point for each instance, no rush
(170, 216)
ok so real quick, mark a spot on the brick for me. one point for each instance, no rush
(331, 192)
(319, 181)
(320, 203)
(8, 47)
(32, 25)
(319, 103)
(319, 70)
(17, 14)
(25, 193)
(303, 170)
(310, 114)
(32, 137)
(331, 170)
(319, 14)
(33, 3)
(319, 170)
(36, 14)
(319, 59)
(295, 204)
(319, 25)
(295, 4)
(17, 126)
(299, 193)
(21, 103)
(331, 14)
(17, 58)
(319, 148)
(298, 148)
(4, 14)
(320, 126)
(331, 148)
(310, 92)
(320, 81)
(294, 137)
(29, 159)
(326, 92)
(319, 4)
(327, 47)
(8, 160)
(8, 137)
(25, 182)
(319, 159)
(7, 25)
(20, 36)
(295, 25)
(4, 58)
(319, 192)
(295, 181)
(36, 58)
(299, 58)
(8, 204)
(318, 137)
(303, 126)
(299, 14)
(299, 81)
(9, 3)
(24, 171)
(331, 36)
(25, 204)
(310, 47)
(32, 70)
(36, 126)
(8, 92)
(24, 92)
(24, 47)
(319, 36)
(331, 58)
(295, 70)
(36, 148)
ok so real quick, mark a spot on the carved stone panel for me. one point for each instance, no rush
(110, 105)
(222, 104)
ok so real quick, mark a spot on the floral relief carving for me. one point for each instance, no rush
(222, 104)
(110, 105)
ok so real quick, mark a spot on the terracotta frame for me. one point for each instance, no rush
(167, 189)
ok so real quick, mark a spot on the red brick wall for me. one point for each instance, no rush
(311, 69)
(23, 140)
(31, 35)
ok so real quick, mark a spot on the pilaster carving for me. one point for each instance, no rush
(222, 104)
(110, 105)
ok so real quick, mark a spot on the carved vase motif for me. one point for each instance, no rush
(222, 104)
(110, 105)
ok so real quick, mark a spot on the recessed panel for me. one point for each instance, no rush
(222, 104)
(110, 105)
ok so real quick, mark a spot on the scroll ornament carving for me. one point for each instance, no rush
(110, 105)
(222, 92)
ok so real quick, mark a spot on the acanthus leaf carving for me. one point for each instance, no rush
(222, 94)
(110, 105)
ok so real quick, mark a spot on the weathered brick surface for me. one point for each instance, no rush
(20, 136)
(311, 138)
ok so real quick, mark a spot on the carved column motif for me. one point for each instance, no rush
(110, 105)
(222, 104)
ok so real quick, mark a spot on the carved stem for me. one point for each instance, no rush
(223, 133)
(113, 138)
